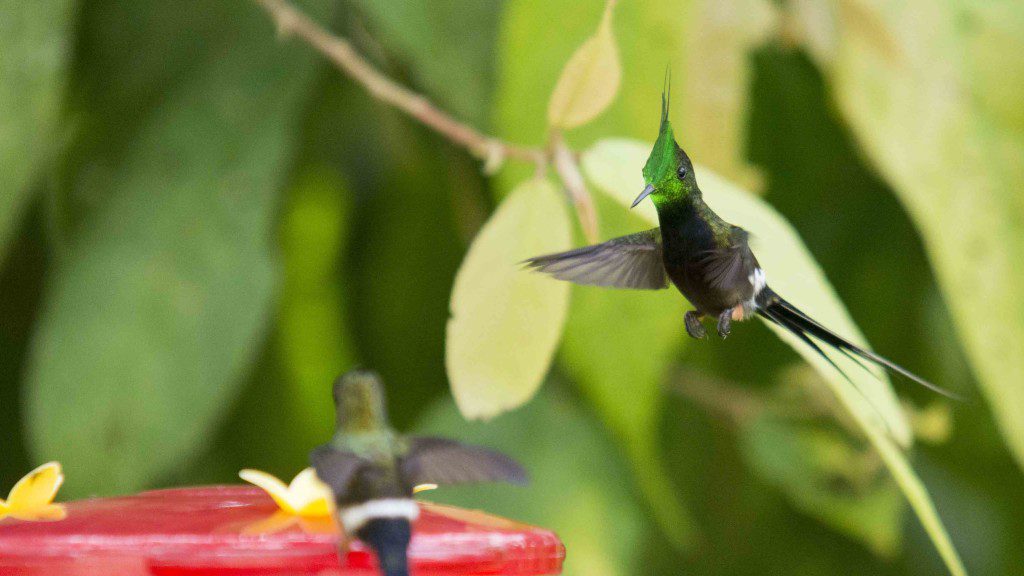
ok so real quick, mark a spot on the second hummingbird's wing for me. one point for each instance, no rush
(633, 261)
(441, 461)
(336, 468)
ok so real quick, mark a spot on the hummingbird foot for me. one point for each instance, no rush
(725, 323)
(693, 325)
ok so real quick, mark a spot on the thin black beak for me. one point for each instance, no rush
(647, 192)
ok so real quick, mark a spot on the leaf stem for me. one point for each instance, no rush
(568, 170)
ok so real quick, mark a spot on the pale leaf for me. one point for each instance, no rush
(932, 93)
(715, 87)
(506, 322)
(590, 79)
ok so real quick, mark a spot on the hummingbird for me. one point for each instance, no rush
(707, 259)
(372, 470)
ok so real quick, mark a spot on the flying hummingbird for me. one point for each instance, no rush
(372, 470)
(705, 257)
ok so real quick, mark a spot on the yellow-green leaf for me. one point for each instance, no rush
(707, 44)
(590, 79)
(940, 113)
(506, 322)
(615, 167)
(714, 86)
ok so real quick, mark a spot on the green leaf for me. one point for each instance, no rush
(448, 43)
(313, 337)
(33, 57)
(590, 79)
(506, 322)
(827, 477)
(706, 42)
(159, 301)
(932, 92)
(615, 166)
(578, 486)
(625, 385)
(533, 53)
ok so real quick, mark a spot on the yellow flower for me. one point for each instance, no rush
(280, 521)
(32, 497)
(306, 496)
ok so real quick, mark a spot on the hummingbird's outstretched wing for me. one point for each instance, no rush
(433, 460)
(336, 468)
(633, 261)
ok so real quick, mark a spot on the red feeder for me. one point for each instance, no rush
(239, 531)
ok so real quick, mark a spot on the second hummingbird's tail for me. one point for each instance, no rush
(389, 538)
(776, 310)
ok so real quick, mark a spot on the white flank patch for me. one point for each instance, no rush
(354, 517)
(758, 280)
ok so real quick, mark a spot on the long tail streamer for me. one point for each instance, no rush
(778, 311)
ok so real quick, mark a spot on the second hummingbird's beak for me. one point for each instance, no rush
(647, 192)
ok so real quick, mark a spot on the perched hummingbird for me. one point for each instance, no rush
(372, 470)
(705, 257)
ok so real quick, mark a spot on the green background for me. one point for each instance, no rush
(200, 226)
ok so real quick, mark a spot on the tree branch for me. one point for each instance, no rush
(290, 21)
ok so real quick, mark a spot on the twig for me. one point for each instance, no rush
(569, 172)
(290, 21)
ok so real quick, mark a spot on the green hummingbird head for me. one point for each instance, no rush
(668, 172)
(359, 400)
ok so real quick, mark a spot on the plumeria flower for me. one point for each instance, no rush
(32, 497)
(306, 502)
(306, 496)
(280, 521)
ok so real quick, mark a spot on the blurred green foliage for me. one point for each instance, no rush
(200, 225)
(34, 57)
(622, 375)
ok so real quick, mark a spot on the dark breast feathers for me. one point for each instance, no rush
(713, 270)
